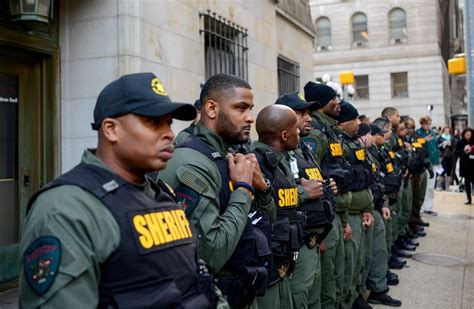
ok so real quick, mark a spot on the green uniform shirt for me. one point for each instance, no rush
(88, 233)
(197, 179)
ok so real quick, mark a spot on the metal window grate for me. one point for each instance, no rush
(225, 46)
(288, 75)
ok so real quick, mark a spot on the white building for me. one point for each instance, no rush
(397, 49)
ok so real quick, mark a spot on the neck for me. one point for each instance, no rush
(119, 168)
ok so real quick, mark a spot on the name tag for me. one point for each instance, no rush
(160, 229)
(360, 154)
(400, 142)
(288, 197)
(336, 149)
(314, 173)
(389, 167)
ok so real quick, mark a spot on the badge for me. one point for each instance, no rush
(310, 143)
(41, 262)
(158, 87)
(186, 198)
(301, 96)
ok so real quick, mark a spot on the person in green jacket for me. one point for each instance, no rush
(217, 188)
(361, 207)
(327, 151)
(91, 238)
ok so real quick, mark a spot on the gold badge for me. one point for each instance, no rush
(158, 87)
(301, 96)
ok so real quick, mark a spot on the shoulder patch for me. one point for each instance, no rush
(41, 263)
(186, 198)
(310, 143)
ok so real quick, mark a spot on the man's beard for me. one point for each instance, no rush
(229, 132)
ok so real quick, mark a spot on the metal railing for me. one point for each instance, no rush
(225, 45)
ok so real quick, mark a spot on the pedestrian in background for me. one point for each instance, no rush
(432, 147)
(445, 144)
(465, 151)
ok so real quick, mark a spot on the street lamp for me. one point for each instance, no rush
(31, 10)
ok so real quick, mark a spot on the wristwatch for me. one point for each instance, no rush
(268, 186)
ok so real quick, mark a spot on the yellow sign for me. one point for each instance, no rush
(457, 65)
(158, 228)
(288, 197)
(158, 87)
(314, 173)
(389, 167)
(346, 77)
(336, 150)
(360, 154)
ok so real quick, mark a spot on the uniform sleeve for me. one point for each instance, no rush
(66, 236)
(197, 187)
(303, 195)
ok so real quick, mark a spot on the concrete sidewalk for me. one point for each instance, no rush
(450, 233)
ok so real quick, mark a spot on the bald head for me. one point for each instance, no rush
(277, 126)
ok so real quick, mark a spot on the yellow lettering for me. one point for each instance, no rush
(314, 173)
(171, 225)
(360, 154)
(389, 167)
(400, 142)
(184, 222)
(145, 238)
(336, 150)
(179, 229)
(154, 227)
(392, 155)
(164, 226)
(374, 167)
(281, 198)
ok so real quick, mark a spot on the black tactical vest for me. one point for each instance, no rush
(391, 179)
(361, 169)
(376, 187)
(252, 257)
(333, 163)
(287, 231)
(319, 212)
(155, 262)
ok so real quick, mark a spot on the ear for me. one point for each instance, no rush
(211, 108)
(110, 129)
(284, 135)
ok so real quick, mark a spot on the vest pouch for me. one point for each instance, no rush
(296, 238)
(158, 293)
(281, 236)
(360, 174)
(242, 289)
(391, 184)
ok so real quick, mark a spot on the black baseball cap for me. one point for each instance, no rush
(140, 94)
(375, 130)
(296, 101)
(363, 129)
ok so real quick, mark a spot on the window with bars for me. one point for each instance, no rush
(361, 87)
(225, 46)
(288, 75)
(399, 85)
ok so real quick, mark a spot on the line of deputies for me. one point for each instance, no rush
(256, 214)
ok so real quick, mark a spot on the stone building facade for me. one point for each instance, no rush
(397, 49)
(51, 74)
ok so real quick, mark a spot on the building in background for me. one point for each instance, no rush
(398, 51)
(54, 60)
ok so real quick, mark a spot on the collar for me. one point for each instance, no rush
(210, 137)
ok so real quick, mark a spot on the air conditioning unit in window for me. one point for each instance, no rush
(398, 40)
(358, 44)
(323, 48)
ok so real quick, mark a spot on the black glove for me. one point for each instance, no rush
(430, 170)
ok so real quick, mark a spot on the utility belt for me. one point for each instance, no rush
(242, 288)
(362, 178)
(342, 177)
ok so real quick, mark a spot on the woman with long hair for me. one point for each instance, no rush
(465, 151)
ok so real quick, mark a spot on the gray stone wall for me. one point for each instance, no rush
(103, 39)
